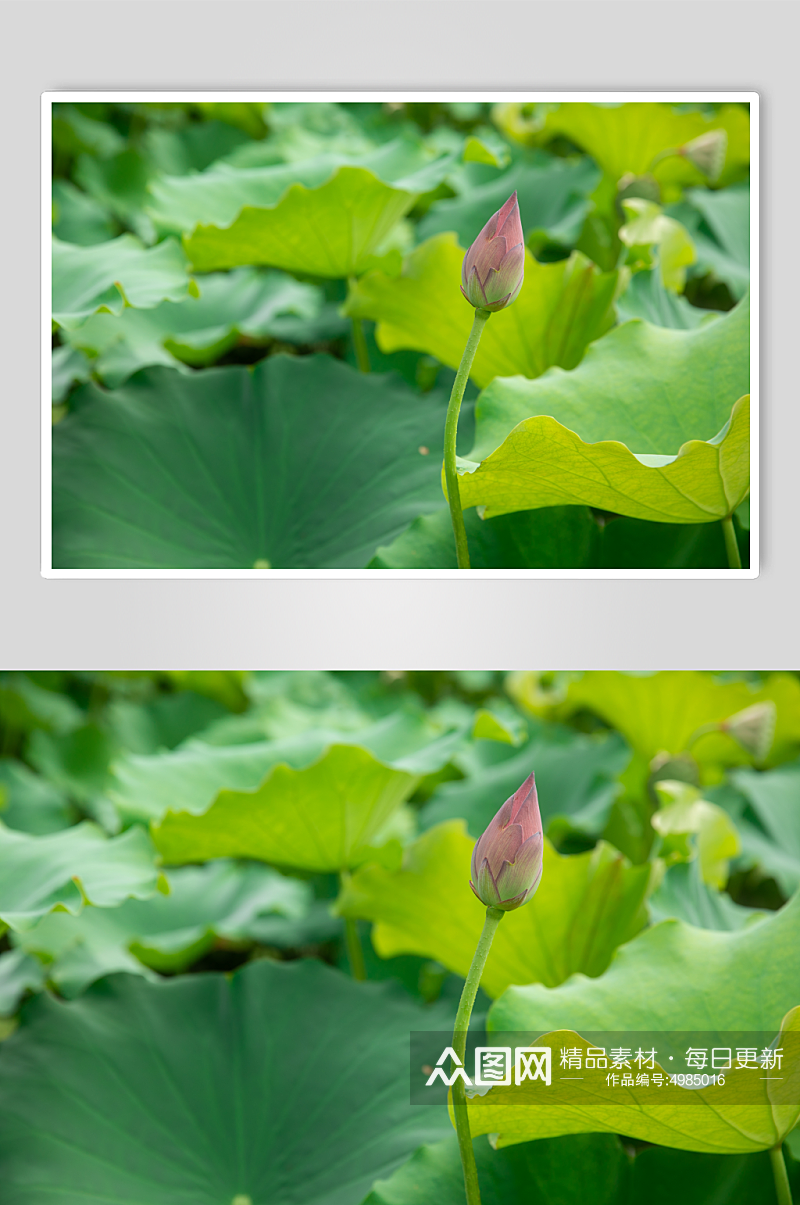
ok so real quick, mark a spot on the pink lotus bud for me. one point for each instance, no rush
(507, 859)
(753, 728)
(494, 266)
(707, 152)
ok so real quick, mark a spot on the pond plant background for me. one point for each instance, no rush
(257, 321)
(228, 898)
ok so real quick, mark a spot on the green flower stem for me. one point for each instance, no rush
(783, 1190)
(359, 339)
(451, 431)
(355, 954)
(471, 985)
(731, 544)
(661, 156)
(703, 730)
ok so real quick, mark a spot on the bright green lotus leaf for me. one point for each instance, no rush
(645, 297)
(165, 932)
(575, 777)
(335, 230)
(552, 195)
(682, 895)
(542, 463)
(109, 276)
(627, 137)
(196, 331)
(561, 308)
(590, 1168)
(682, 812)
(649, 226)
(287, 1082)
(326, 817)
(65, 870)
(700, 373)
(594, 1169)
(739, 1117)
(232, 468)
(190, 778)
(592, 903)
(499, 724)
(661, 711)
(775, 799)
(671, 978)
(326, 217)
(30, 803)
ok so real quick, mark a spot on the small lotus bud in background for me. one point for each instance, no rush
(646, 187)
(672, 767)
(494, 266)
(507, 859)
(707, 153)
(753, 728)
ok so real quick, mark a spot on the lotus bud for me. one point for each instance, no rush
(753, 728)
(493, 269)
(707, 152)
(507, 859)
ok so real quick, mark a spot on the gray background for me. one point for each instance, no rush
(380, 44)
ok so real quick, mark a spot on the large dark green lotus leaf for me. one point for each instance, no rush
(301, 463)
(587, 905)
(285, 1085)
(557, 537)
(165, 932)
(29, 802)
(553, 200)
(593, 1169)
(108, 276)
(190, 778)
(575, 778)
(561, 308)
(590, 1168)
(64, 870)
(646, 297)
(627, 137)
(196, 331)
(326, 217)
(644, 386)
(329, 816)
(542, 463)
